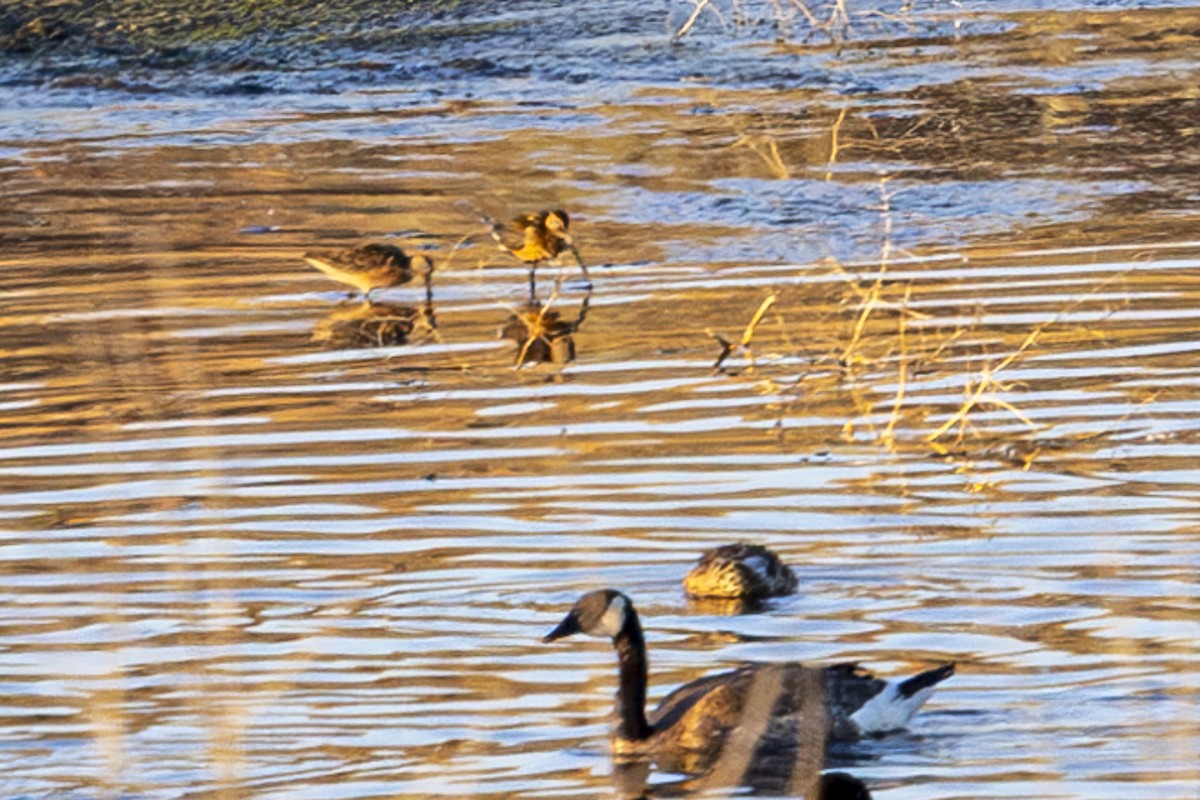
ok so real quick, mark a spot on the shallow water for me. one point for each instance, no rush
(252, 549)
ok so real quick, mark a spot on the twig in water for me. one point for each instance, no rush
(727, 348)
(765, 148)
(872, 298)
(748, 334)
(699, 9)
(987, 381)
(833, 144)
(888, 438)
(808, 15)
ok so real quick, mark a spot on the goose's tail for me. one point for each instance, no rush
(925, 680)
(893, 707)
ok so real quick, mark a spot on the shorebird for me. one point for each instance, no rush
(368, 267)
(534, 238)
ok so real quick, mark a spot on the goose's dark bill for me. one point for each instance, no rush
(568, 627)
(603, 613)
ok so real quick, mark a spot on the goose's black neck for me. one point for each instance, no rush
(631, 695)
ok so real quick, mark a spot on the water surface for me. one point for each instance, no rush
(258, 543)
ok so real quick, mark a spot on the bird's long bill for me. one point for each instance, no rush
(578, 260)
(569, 626)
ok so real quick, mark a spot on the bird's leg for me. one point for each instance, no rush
(533, 283)
(426, 316)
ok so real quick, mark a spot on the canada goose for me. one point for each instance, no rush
(534, 238)
(369, 266)
(784, 701)
(743, 571)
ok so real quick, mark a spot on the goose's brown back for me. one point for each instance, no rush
(735, 715)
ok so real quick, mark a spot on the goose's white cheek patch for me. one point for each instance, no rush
(613, 619)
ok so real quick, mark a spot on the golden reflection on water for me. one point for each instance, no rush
(259, 543)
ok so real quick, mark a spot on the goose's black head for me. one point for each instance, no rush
(599, 613)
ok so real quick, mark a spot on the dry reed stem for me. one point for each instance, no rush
(808, 15)
(888, 438)
(977, 392)
(839, 17)
(982, 385)
(872, 299)
(104, 708)
(757, 144)
(696, 12)
(727, 347)
(737, 754)
(838, 25)
(812, 735)
(227, 722)
(889, 17)
(833, 143)
(458, 246)
(748, 334)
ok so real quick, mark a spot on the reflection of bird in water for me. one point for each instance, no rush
(369, 266)
(744, 571)
(373, 325)
(749, 711)
(369, 324)
(542, 335)
(534, 238)
(632, 782)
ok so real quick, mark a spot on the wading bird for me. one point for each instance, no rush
(368, 267)
(534, 238)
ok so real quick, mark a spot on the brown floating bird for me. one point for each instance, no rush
(534, 238)
(369, 266)
(742, 571)
(769, 703)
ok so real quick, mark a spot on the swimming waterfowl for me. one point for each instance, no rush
(741, 571)
(368, 267)
(534, 238)
(765, 703)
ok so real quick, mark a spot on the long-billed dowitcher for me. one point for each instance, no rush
(368, 267)
(534, 238)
